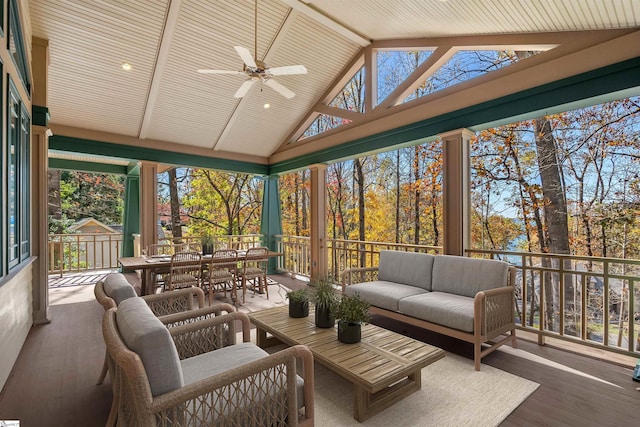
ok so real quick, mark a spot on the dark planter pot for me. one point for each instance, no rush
(298, 309)
(324, 318)
(349, 333)
(207, 249)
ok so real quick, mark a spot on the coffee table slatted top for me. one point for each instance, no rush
(380, 359)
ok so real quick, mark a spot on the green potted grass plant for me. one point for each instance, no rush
(325, 299)
(351, 312)
(298, 303)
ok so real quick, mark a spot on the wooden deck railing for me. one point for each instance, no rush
(83, 252)
(235, 241)
(593, 300)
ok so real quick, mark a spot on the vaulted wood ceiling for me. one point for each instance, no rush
(162, 100)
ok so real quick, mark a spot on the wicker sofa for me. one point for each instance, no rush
(195, 374)
(466, 298)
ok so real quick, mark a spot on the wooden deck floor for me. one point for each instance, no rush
(53, 382)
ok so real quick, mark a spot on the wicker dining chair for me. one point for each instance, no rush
(254, 271)
(222, 273)
(185, 270)
(162, 249)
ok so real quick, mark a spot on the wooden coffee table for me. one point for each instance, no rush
(384, 367)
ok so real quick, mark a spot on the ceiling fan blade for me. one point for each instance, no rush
(246, 57)
(244, 88)
(288, 70)
(240, 73)
(280, 88)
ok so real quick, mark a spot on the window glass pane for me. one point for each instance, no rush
(12, 178)
(24, 185)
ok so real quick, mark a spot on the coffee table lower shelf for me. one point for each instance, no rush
(384, 368)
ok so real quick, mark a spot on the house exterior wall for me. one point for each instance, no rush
(15, 318)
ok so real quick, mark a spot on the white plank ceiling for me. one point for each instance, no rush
(163, 98)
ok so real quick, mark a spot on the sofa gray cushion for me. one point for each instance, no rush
(117, 287)
(144, 334)
(453, 311)
(407, 268)
(383, 294)
(467, 276)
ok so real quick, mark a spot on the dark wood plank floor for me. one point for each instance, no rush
(53, 382)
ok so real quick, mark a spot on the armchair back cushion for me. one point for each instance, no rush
(117, 287)
(407, 268)
(468, 276)
(145, 334)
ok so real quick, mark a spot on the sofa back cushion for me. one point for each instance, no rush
(117, 287)
(407, 268)
(467, 276)
(145, 334)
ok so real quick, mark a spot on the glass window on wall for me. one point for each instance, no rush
(18, 168)
(12, 178)
(25, 138)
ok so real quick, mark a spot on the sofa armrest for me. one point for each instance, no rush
(210, 334)
(494, 311)
(351, 276)
(191, 316)
(174, 301)
(261, 389)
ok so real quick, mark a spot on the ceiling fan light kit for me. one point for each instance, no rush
(256, 70)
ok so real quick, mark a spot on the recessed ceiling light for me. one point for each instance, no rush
(266, 106)
(126, 66)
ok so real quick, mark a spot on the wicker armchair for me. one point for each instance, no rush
(205, 378)
(170, 307)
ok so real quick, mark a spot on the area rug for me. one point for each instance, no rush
(452, 394)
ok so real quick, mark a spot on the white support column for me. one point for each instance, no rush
(319, 265)
(39, 222)
(148, 203)
(456, 191)
(40, 182)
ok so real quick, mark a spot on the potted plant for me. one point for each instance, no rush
(325, 299)
(352, 312)
(207, 244)
(298, 303)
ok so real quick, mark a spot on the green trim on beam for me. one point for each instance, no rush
(604, 84)
(87, 146)
(40, 115)
(86, 166)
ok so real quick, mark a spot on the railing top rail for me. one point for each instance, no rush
(558, 256)
(374, 243)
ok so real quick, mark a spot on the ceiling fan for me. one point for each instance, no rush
(259, 71)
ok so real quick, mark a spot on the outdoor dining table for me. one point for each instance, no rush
(150, 264)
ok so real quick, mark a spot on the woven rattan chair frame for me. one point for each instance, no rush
(172, 308)
(222, 273)
(185, 270)
(254, 271)
(195, 402)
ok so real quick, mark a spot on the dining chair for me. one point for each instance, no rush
(222, 273)
(254, 271)
(185, 270)
(160, 274)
